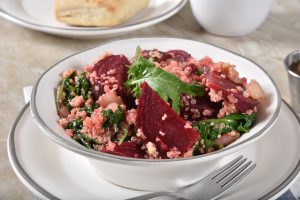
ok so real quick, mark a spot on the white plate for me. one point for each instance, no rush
(39, 15)
(51, 171)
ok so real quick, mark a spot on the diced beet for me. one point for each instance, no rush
(118, 63)
(97, 89)
(159, 57)
(217, 83)
(150, 110)
(193, 67)
(113, 62)
(63, 111)
(194, 107)
(127, 97)
(179, 55)
(128, 149)
(243, 103)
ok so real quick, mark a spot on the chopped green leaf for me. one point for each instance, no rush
(83, 86)
(123, 136)
(168, 86)
(85, 140)
(211, 128)
(76, 125)
(113, 119)
(68, 90)
(90, 109)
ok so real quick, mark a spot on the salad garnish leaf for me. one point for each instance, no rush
(168, 86)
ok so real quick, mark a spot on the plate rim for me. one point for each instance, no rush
(27, 180)
(38, 26)
(94, 155)
(15, 164)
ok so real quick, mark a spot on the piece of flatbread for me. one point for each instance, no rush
(97, 12)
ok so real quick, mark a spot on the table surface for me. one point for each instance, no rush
(25, 54)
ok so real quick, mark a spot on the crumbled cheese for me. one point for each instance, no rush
(151, 149)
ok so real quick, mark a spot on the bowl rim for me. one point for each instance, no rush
(121, 159)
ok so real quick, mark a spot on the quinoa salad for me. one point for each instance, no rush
(156, 105)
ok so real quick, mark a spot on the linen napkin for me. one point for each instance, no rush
(289, 195)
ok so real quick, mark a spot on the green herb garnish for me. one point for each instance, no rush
(168, 86)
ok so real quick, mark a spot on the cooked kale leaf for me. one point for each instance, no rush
(83, 86)
(90, 109)
(68, 89)
(76, 126)
(113, 119)
(210, 129)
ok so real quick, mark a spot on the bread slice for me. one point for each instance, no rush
(97, 12)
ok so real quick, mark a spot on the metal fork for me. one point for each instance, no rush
(210, 187)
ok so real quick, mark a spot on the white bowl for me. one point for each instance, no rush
(140, 173)
(230, 17)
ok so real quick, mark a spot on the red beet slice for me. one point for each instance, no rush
(167, 133)
(217, 83)
(243, 103)
(159, 57)
(194, 107)
(179, 55)
(127, 149)
(118, 63)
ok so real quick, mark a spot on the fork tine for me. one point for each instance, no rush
(234, 173)
(236, 179)
(229, 170)
(224, 168)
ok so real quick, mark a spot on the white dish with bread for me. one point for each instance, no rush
(88, 18)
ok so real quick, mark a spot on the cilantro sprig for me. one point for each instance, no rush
(168, 86)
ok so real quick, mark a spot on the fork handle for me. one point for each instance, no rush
(158, 195)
